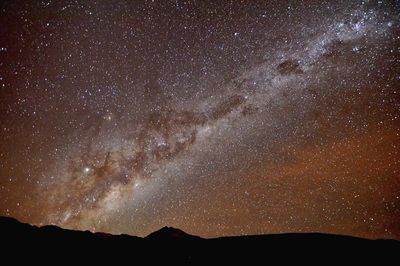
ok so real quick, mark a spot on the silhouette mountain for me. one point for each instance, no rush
(170, 233)
(171, 245)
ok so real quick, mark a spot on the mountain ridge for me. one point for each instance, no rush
(176, 233)
(170, 244)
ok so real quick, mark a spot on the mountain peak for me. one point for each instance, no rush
(167, 233)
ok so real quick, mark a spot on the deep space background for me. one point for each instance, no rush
(216, 117)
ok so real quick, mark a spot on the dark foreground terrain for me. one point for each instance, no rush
(23, 242)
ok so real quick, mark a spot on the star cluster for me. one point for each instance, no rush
(216, 117)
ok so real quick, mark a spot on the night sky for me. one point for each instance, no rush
(216, 117)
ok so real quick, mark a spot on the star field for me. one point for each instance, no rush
(216, 117)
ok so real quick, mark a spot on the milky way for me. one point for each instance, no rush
(216, 117)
